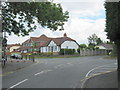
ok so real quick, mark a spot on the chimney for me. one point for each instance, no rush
(65, 35)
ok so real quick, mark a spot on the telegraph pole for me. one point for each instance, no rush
(3, 41)
(0, 32)
(4, 44)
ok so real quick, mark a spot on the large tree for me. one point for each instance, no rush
(21, 17)
(113, 25)
(113, 28)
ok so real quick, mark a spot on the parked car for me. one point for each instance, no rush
(16, 56)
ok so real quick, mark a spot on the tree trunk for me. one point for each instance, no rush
(118, 60)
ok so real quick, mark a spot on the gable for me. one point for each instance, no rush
(70, 45)
(52, 43)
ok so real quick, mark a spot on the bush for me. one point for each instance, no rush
(49, 54)
(61, 52)
(113, 53)
(78, 50)
(46, 54)
(67, 51)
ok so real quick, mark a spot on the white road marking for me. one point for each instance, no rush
(96, 68)
(39, 73)
(44, 71)
(18, 83)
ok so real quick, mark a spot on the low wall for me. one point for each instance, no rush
(88, 52)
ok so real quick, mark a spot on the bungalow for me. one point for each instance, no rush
(44, 44)
(11, 49)
(105, 46)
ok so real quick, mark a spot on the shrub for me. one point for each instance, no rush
(61, 52)
(49, 53)
(78, 50)
(67, 51)
(113, 53)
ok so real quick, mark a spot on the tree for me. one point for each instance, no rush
(91, 46)
(113, 26)
(83, 46)
(92, 39)
(109, 42)
(78, 50)
(99, 41)
(21, 17)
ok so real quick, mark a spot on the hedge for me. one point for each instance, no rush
(67, 51)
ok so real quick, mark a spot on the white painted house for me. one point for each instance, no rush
(44, 44)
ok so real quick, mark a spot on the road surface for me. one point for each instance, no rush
(58, 72)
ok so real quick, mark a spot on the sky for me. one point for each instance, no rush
(86, 18)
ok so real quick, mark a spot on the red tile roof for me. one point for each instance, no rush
(60, 40)
(10, 45)
(44, 40)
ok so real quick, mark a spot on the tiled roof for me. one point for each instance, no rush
(60, 40)
(107, 46)
(44, 40)
(10, 45)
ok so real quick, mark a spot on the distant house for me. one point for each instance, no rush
(105, 46)
(44, 44)
(11, 49)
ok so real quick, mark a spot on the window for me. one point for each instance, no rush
(55, 48)
(49, 48)
(41, 49)
(46, 49)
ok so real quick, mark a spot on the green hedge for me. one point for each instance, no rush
(67, 51)
(78, 50)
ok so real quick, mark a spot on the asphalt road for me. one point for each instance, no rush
(58, 72)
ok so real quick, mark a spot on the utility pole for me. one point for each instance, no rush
(0, 32)
(3, 41)
(4, 44)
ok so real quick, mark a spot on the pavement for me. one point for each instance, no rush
(106, 80)
(14, 65)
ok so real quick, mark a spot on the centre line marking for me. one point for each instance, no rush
(39, 73)
(18, 83)
(45, 71)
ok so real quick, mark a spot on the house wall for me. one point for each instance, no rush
(70, 45)
(52, 47)
(101, 47)
(14, 47)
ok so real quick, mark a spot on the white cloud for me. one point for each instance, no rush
(76, 28)
(78, 9)
(78, 0)
(80, 29)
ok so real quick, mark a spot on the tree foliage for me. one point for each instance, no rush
(113, 26)
(83, 46)
(22, 17)
(99, 41)
(94, 40)
(112, 20)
